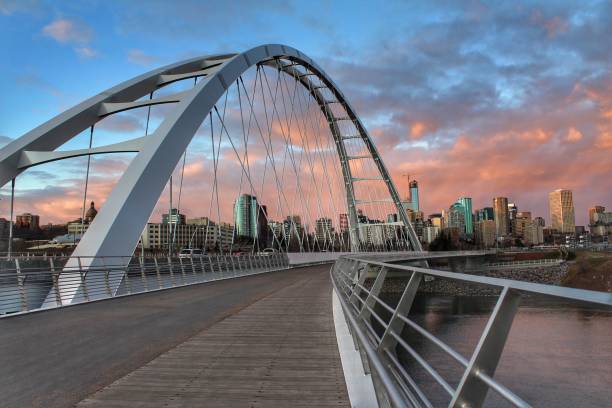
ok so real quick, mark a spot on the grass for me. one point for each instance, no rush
(590, 270)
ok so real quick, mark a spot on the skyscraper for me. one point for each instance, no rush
(344, 222)
(593, 213)
(466, 203)
(414, 195)
(561, 207)
(500, 213)
(246, 211)
(485, 213)
(456, 218)
(323, 230)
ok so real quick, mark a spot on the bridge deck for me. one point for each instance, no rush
(265, 340)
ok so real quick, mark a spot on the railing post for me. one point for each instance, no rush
(472, 391)
(128, 284)
(396, 325)
(171, 271)
(233, 265)
(193, 269)
(21, 283)
(106, 274)
(358, 281)
(160, 283)
(374, 291)
(202, 265)
(55, 277)
(210, 262)
(143, 276)
(182, 270)
(83, 281)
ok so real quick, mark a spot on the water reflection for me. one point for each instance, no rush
(558, 354)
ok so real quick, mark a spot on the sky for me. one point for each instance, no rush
(472, 98)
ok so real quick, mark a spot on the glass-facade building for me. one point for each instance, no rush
(466, 203)
(245, 216)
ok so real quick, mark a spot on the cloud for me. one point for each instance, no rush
(77, 33)
(34, 80)
(86, 52)
(573, 135)
(65, 31)
(139, 57)
(10, 7)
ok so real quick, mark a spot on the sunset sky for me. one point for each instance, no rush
(470, 98)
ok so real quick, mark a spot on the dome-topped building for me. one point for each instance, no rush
(91, 213)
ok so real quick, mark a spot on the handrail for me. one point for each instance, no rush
(49, 284)
(348, 276)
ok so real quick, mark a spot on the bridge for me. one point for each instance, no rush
(266, 312)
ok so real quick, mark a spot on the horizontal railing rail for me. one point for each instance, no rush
(360, 303)
(27, 285)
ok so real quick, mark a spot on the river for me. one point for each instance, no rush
(557, 354)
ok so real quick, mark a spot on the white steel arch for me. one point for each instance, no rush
(116, 229)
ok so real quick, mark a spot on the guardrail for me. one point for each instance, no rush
(47, 282)
(393, 383)
(524, 263)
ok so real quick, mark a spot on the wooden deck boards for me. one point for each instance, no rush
(280, 351)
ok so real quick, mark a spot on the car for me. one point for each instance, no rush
(191, 253)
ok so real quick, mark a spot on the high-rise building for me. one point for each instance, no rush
(484, 233)
(594, 214)
(196, 233)
(561, 207)
(539, 221)
(174, 217)
(246, 212)
(436, 220)
(485, 213)
(343, 223)
(520, 222)
(456, 218)
(466, 204)
(324, 231)
(27, 221)
(500, 214)
(414, 195)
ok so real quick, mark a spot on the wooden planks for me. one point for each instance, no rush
(280, 351)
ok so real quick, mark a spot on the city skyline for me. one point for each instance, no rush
(532, 124)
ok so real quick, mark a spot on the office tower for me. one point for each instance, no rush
(436, 220)
(520, 222)
(484, 233)
(343, 222)
(323, 230)
(175, 217)
(561, 207)
(246, 214)
(594, 213)
(414, 195)
(27, 221)
(456, 218)
(539, 221)
(485, 213)
(466, 204)
(500, 214)
(512, 211)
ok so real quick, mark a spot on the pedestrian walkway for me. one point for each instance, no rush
(280, 351)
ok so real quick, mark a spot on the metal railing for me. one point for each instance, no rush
(46, 282)
(393, 383)
(523, 263)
